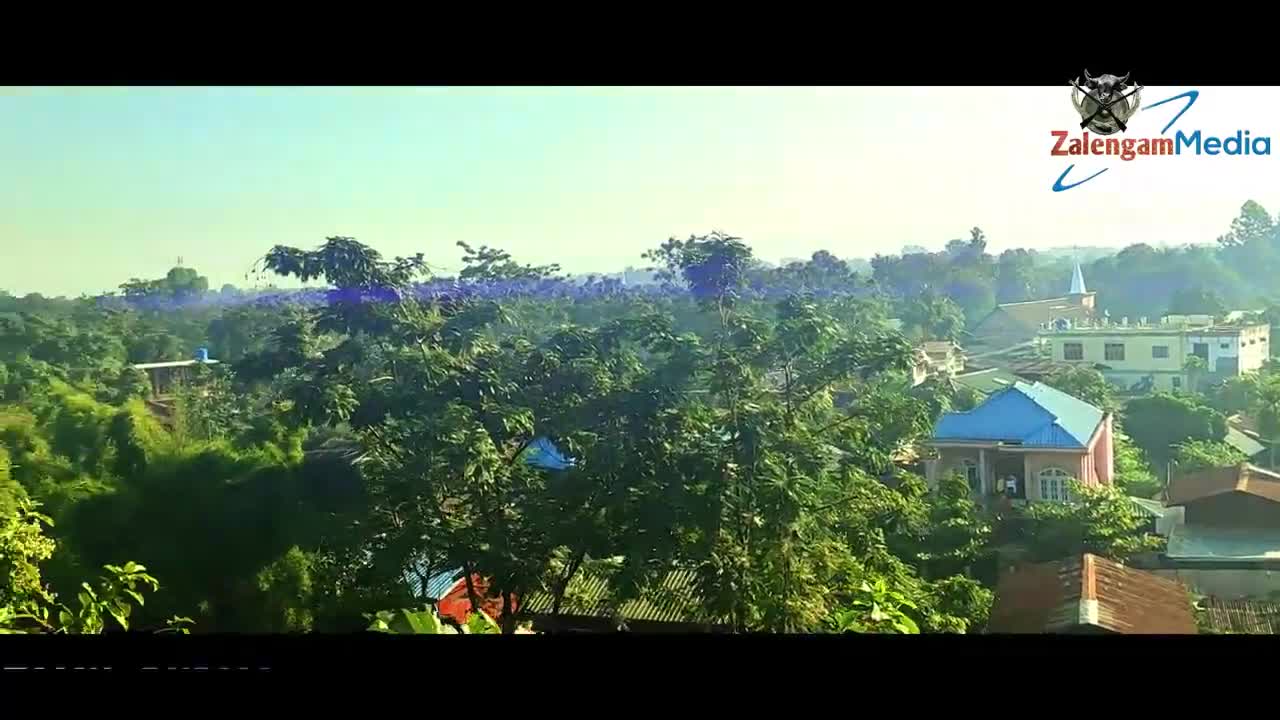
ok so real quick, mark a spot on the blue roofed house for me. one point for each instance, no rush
(1026, 442)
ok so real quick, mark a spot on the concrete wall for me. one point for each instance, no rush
(949, 460)
(1104, 453)
(1137, 349)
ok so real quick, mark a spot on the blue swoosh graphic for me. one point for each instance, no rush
(1190, 96)
(1059, 187)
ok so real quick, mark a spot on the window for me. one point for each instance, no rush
(1114, 351)
(1072, 351)
(972, 475)
(1053, 484)
(1159, 351)
(1224, 346)
(1177, 382)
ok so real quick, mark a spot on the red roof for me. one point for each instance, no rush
(456, 605)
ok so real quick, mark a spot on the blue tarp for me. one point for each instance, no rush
(541, 453)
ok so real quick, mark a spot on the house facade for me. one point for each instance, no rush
(1154, 357)
(1026, 443)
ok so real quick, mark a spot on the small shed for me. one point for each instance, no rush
(1090, 595)
(167, 376)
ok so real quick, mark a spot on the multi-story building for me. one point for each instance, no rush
(1143, 356)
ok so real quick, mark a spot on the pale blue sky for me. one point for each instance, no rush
(98, 185)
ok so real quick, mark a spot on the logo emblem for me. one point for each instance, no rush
(1105, 102)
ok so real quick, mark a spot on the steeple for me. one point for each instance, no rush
(1077, 282)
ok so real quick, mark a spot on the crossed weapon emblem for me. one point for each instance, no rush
(1104, 107)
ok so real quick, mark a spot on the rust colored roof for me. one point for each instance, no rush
(1090, 593)
(1030, 314)
(1243, 478)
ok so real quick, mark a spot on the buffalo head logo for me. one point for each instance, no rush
(1105, 102)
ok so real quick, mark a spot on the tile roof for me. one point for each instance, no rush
(673, 599)
(1243, 478)
(1089, 592)
(1028, 414)
(1218, 544)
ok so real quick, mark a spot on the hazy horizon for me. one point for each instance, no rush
(105, 184)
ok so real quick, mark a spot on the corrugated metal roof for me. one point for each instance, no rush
(674, 598)
(1243, 443)
(1089, 591)
(1148, 507)
(173, 364)
(1246, 617)
(1215, 544)
(1029, 414)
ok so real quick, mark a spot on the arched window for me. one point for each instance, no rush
(973, 475)
(1053, 484)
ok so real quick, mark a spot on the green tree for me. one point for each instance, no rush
(1237, 394)
(934, 317)
(1195, 367)
(1201, 454)
(1099, 519)
(1133, 474)
(1196, 301)
(1086, 384)
(1157, 422)
(1267, 413)
(27, 605)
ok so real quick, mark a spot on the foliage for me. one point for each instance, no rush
(1086, 384)
(1099, 519)
(875, 608)
(28, 605)
(428, 622)
(1157, 422)
(1132, 473)
(934, 317)
(1237, 394)
(1201, 454)
(1267, 412)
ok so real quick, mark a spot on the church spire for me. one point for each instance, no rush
(1077, 282)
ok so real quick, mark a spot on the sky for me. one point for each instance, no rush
(99, 185)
